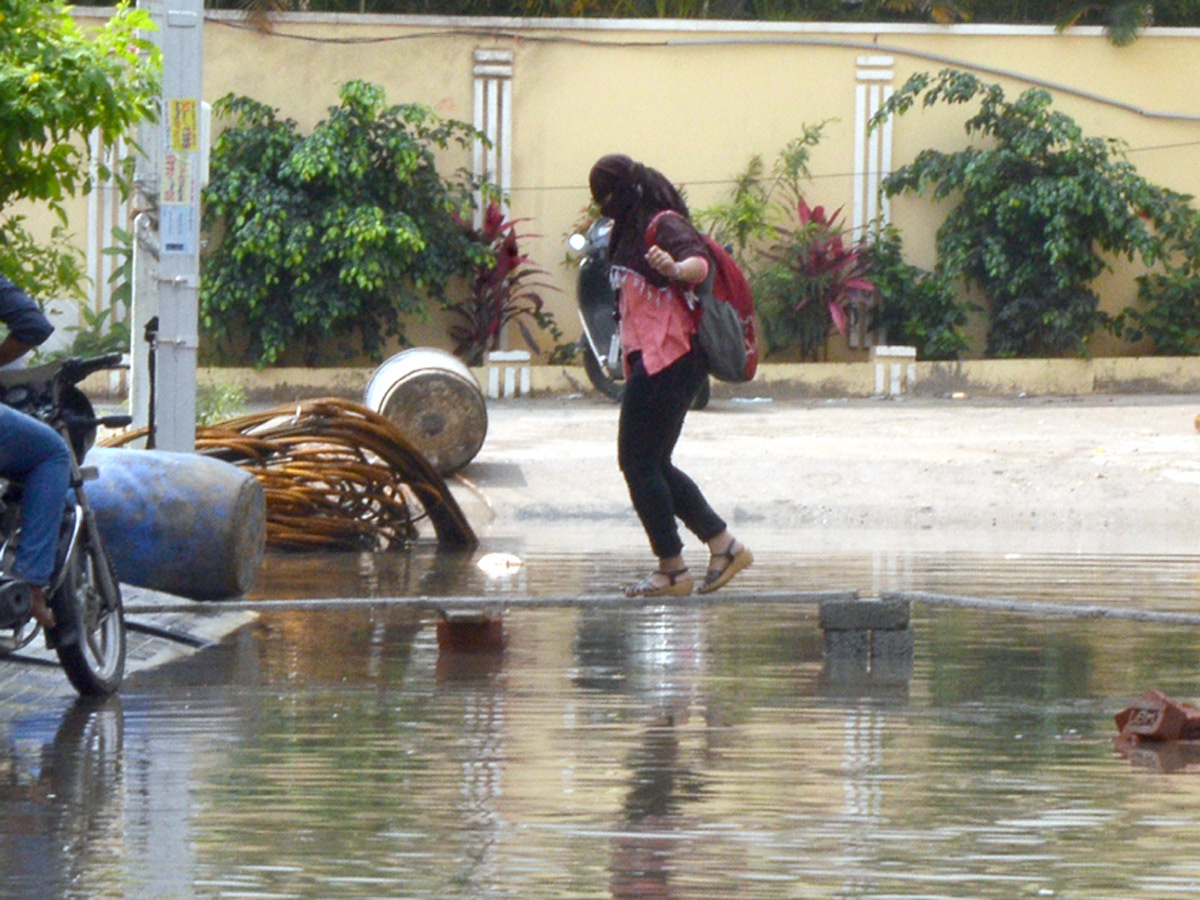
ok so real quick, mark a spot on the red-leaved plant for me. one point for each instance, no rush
(836, 269)
(504, 290)
(815, 276)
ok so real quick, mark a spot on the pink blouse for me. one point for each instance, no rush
(659, 322)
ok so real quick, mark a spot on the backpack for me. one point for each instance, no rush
(725, 331)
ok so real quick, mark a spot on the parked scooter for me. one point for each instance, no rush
(89, 630)
(600, 343)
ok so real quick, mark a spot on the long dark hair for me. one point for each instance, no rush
(631, 193)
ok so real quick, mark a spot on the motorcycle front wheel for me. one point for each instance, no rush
(95, 664)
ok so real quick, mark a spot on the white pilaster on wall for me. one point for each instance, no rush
(493, 74)
(106, 210)
(872, 149)
(872, 161)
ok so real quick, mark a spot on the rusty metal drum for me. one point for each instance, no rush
(433, 398)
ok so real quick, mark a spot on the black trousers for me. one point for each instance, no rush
(652, 413)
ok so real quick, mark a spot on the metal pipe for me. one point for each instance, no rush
(464, 604)
(613, 601)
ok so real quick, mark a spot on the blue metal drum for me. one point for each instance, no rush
(177, 522)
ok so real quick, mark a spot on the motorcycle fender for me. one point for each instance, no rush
(66, 630)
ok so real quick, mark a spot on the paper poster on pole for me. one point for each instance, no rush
(177, 227)
(185, 123)
(179, 197)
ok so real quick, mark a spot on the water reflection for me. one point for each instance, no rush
(1164, 758)
(643, 855)
(658, 657)
(61, 780)
(628, 753)
(1168, 582)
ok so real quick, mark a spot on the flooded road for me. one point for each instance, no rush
(650, 752)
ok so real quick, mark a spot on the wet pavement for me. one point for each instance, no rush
(656, 751)
(881, 480)
(667, 750)
(32, 677)
(1094, 474)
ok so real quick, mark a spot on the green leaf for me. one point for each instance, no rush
(57, 86)
(327, 240)
(1040, 210)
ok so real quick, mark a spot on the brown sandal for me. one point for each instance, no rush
(719, 575)
(677, 585)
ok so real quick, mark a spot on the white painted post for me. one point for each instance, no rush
(179, 225)
(515, 366)
(892, 365)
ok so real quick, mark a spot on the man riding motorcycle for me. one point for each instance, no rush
(34, 453)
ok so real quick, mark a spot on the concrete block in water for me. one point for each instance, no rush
(178, 522)
(891, 643)
(865, 614)
(867, 638)
(892, 655)
(848, 645)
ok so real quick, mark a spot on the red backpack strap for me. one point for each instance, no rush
(652, 226)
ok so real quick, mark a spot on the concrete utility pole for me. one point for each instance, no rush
(175, 157)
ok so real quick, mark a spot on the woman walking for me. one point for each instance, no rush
(663, 371)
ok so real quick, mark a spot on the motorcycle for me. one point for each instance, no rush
(600, 344)
(89, 630)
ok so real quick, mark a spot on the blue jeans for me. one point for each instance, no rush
(35, 454)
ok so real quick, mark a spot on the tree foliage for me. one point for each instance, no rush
(326, 242)
(1038, 209)
(916, 307)
(58, 85)
(1168, 306)
(1122, 19)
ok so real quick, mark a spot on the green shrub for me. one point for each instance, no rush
(1168, 307)
(813, 276)
(325, 243)
(218, 402)
(915, 307)
(1039, 208)
(804, 270)
(760, 200)
(504, 292)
